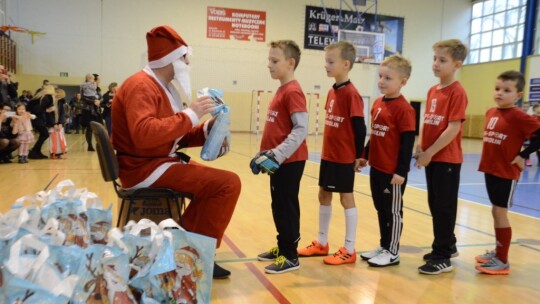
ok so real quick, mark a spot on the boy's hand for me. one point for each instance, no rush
(254, 167)
(359, 163)
(423, 159)
(397, 180)
(417, 151)
(518, 161)
(267, 163)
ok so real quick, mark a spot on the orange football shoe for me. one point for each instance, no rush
(342, 256)
(313, 249)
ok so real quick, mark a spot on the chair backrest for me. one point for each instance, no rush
(105, 152)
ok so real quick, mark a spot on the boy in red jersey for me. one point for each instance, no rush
(343, 143)
(505, 130)
(439, 151)
(283, 155)
(389, 150)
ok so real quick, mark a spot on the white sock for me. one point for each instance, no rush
(351, 218)
(325, 214)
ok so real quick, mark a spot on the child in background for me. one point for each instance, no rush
(91, 110)
(343, 143)
(283, 155)
(536, 113)
(68, 118)
(106, 104)
(8, 141)
(76, 104)
(505, 129)
(389, 150)
(56, 118)
(439, 151)
(22, 126)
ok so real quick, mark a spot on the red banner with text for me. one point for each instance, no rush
(227, 23)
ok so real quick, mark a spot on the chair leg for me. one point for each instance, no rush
(179, 201)
(120, 213)
(169, 207)
(130, 206)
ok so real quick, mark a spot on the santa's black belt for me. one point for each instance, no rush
(181, 155)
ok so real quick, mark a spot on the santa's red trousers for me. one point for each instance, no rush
(215, 193)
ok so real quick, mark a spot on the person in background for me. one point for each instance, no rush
(91, 110)
(22, 127)
(76, 104)
(56, 119)
(38, 106)
(8, 141)
(44, 83)
(68, 125)
(8, 88)
(106, 104)
(25, 97)
(536, 113)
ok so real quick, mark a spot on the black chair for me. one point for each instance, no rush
(109, 171)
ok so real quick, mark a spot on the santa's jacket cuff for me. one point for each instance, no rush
(194, 118)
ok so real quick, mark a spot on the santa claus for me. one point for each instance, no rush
(149, 123)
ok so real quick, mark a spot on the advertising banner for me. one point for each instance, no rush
(323, 25)
(227, 23)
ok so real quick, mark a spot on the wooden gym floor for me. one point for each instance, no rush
(252, 231)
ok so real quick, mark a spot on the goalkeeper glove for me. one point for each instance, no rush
(267, 163)
(254, 167)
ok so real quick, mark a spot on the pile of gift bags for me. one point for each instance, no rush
(59, 247)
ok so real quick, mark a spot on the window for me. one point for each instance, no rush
(496, 30)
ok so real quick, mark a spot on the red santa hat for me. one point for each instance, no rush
(164, 46)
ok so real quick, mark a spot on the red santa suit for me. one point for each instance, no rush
(148, 124)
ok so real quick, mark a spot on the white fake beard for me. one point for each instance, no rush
(181, 75)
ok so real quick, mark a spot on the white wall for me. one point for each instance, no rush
(108, 37)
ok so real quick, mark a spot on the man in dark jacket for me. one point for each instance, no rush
(8, 141)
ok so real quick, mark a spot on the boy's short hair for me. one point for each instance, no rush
(400, 64)
(456, 48)
(513, 76)
(347, 50)
(290, 50)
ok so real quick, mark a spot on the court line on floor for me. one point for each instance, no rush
(274, 291)
(428, 214)
(484, 205)
(473, 184)
(49, 184)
